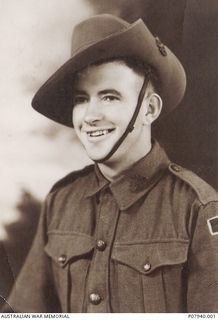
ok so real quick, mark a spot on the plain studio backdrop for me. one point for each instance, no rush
(35, 40)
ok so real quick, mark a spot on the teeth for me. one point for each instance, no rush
(98, 133)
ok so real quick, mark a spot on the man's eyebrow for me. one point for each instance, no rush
(111, 91)
(82, 92)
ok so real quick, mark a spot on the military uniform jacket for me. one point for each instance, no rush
(147, 242)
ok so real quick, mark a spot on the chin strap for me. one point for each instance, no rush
(131, 124)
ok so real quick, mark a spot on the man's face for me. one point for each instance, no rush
(104, 101)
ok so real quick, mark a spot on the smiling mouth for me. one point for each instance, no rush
(99, 133)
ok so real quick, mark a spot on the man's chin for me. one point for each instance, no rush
(96, 153)
(97, 158)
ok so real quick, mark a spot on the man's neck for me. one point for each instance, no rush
(111, 170)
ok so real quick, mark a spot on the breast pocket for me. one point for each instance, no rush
(149, 276)
(70, 255)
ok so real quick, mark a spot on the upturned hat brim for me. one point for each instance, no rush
(55, 98)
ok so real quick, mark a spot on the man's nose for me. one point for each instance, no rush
(93, 112)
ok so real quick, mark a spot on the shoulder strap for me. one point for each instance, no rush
(71, 177)
(203, 190)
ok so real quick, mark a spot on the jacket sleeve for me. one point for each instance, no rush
(34, 288)
(202, 287)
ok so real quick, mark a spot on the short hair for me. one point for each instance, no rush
(138, 66)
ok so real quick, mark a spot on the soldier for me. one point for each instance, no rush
(133, 232)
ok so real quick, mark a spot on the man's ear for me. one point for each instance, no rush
(153, 107)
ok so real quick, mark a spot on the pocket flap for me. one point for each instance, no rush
(64, 246)
(146, 257)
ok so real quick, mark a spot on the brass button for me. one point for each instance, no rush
(175, 167)
(95, 298)
(62, 259)
(100, 245)
(147, 267)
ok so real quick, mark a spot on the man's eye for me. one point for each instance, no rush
(80, 100)
(110, 98)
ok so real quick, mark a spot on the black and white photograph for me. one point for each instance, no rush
(109, 157)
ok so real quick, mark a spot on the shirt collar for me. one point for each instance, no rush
(135, 181)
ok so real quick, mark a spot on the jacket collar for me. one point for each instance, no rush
(134, 182)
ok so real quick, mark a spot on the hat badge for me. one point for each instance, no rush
(161, 47)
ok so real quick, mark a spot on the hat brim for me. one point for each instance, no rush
(54, 99)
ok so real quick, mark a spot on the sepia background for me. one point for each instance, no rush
(35, 152)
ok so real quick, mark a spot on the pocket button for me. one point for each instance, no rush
(147, 267)
(95, 298)
(62, 259)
